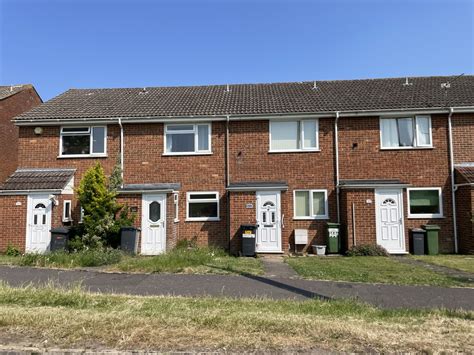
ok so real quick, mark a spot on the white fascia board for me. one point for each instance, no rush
(186, 119)
(28, 192)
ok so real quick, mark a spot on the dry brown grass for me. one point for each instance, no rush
(72, 319)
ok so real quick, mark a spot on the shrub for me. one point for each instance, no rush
(12, 250)
(367, 250)
(103, 215)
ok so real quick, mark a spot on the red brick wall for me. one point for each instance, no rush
(463, 137)
(250, 160)
(145, 163)
(465, 217)
(9, 108)
(418, 167)
(13, 222)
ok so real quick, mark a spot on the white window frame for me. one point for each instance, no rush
(81, 215)
(65, 203)
(176, 206)
(196, 143)
(312, 215)
(426, 215)
(415, 145)
(89, 132)
(216, 200)
(300, 143)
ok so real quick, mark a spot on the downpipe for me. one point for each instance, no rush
(453, 185)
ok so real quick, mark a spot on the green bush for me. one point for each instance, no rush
(83, 258)
(12, 250)
(367, 250)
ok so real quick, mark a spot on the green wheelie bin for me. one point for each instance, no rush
(432, 239)
(333, 238)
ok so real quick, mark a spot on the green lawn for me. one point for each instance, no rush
(460, 262)
(181, 260)
(370, 269)
(39, 317)
(199, 260)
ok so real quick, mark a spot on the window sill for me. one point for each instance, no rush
(202, 219)
(425, 216)
(408, 148)
(82, 156)
(295, 151)
(310, 218)
(185, 154)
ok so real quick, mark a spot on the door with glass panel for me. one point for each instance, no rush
(268, 222)
(153, 238)
(39, 224)
(389, 220)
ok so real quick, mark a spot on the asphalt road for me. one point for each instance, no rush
(387, 296)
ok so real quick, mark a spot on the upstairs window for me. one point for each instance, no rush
(83, 141)
(406, 132)
(181, 139)
(293, 136)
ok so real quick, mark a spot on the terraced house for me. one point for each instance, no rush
(379, 156)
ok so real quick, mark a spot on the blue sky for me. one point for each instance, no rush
(57, 45)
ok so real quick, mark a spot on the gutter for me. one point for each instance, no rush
(121, 151)
(223, 117)
(27, 192)
(453, 185)
(336, 152)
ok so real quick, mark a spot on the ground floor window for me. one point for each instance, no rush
(425, 202)
(310, 204)
(202, 206)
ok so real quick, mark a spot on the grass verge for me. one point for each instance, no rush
(193, 260)
(86, 258)
(459, 262)
(180, 260)
(75, 319)
(371, 269)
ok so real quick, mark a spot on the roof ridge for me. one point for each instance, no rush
(270, 83)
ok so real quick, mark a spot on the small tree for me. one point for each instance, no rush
(99, 202)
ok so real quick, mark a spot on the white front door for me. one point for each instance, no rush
(389, 220)
(153, 237)
(268, 222)
(38, 237)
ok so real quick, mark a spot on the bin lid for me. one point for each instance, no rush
(417, 230)
(333, 225)
(60, 230)
(129, 229)
(431, 227)
(248, 226)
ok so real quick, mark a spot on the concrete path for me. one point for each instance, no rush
(275, 266)
(388, 296)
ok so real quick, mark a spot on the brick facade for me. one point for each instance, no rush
(250, 160)
(10, 107)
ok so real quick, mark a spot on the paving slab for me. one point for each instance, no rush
(244, 286)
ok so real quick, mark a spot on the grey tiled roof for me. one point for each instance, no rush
(248, 99)
(38, 179)
(6, 91)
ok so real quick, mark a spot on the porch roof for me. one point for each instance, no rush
(153, 187)
(257, 185)
(467, 172)
(38, 180)
(371, 183)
